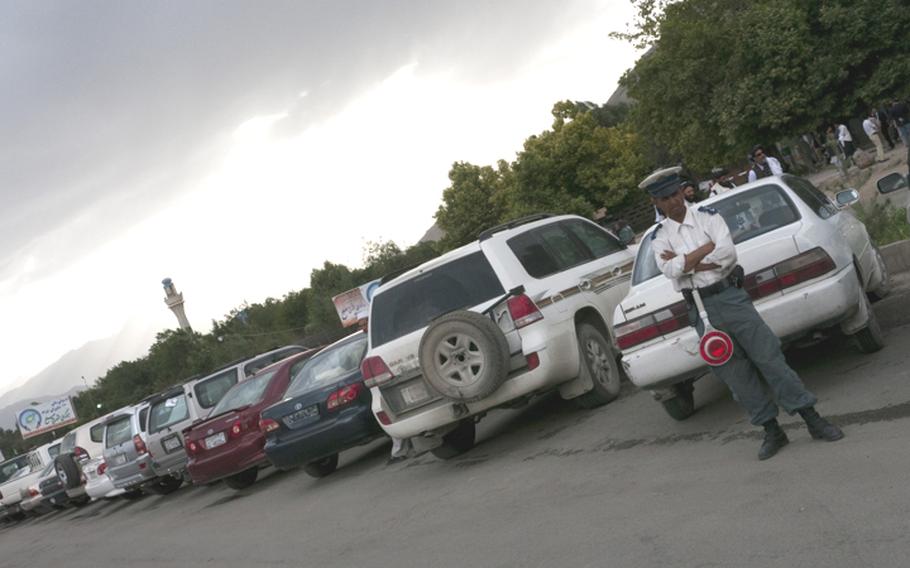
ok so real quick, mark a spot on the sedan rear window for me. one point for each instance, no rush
(10, 468)
(118, 432)
(168, 411)
(748, 214)
(462, 283)
(329, 366)
(248, 392)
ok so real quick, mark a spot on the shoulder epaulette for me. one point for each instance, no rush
(654, 234)
(708, 210)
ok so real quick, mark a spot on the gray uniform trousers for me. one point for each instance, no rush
(755, 350)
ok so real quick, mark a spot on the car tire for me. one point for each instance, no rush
(323, 467)
(132, 494)
(165, 485)
(884, 286)
(243, 479)
(597, 359)
(464, 356)
(458, 441)
(81, 501)
(682, 405)
(68, 471)
(870, 338)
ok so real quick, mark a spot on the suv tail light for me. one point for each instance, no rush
(102, 467)
(80, 454)
(267, 425)
(790, 272)
(139, 443)
(375, 372)
(523, 310)
(653, 325)
(33, 492)
(236, 429)
(343, 396)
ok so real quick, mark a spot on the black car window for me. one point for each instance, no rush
(210, 391)
(817, 201)
(167, 411)
(548, 249)
(143, 419)
(328, 366)
(462, 283)
(118, 432)
(96, 433)
(9, 468)
(599, 242)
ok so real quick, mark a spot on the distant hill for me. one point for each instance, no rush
(64, 377)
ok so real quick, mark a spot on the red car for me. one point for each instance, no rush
(228, 444)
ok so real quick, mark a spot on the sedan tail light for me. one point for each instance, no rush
(343, 396)
(375, 372)
(33, 492)
(790, 272)
(192, 447)
(523, 310)
(267, 425)
(652, 325)
(236, 429)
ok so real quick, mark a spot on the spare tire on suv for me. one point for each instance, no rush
(464, 356)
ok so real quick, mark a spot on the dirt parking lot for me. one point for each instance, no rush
(549, 485)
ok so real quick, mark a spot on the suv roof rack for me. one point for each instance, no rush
(486, 234)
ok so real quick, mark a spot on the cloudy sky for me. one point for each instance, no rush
(235, 146)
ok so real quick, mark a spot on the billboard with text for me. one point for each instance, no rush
(39, 418)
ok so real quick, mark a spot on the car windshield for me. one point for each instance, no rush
(168, 411)
(748, 213)
(10, 468)
(118, 432)
(329, 366)
(248, 392)
(462, 283)
(210, 391)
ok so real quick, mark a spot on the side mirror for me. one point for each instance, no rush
(891, 182)
(846, 198)
(626, 235)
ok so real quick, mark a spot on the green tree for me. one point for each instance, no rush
(473, 202)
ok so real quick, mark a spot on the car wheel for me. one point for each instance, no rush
(458, 441)
(464, 356)
(132, 494)
(323, 467)
(682, 405)
(67, 471)
(81, 501)
(884, 286)
(599, 362)
(243, 479)
(870, 338)
(165, 485)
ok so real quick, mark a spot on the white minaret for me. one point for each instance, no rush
(174, 301)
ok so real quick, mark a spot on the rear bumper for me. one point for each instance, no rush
(99, 487)
(170, 464)
(352, 427)
(132, 474)
(819, 305)
(246, 454)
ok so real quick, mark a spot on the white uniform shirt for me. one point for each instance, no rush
(697, 229)
(870, 126)
(773, 164)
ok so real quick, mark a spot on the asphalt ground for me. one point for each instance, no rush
(550, 485)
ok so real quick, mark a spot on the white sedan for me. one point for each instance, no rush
(809, 266)
(98, 483)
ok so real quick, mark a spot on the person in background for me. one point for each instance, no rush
(900, 114)
(884, 120)
(845, 139)
(718, 185)
(689, 193)
(763, 164)
(873, 130)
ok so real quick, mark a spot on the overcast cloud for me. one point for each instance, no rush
(132, 129)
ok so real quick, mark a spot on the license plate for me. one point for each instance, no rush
(171, 444)
(215, 440)
(414, 394)
(119, 459)
(305, 414)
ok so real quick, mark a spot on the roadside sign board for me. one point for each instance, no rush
(354, 305)
(37, 419)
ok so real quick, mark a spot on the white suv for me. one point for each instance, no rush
(526, 308)
(809, 266)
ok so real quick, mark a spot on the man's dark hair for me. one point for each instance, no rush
(756, 148)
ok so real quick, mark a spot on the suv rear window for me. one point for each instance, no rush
(210, 391)
(118, 432)
(559, 246)
(462, 283)
(96, 433)
(748, 213)
(167, 411)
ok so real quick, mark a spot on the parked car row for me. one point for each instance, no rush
(539, 304)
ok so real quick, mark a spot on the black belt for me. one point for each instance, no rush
(732, 280)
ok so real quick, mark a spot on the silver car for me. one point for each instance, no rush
(169, 413)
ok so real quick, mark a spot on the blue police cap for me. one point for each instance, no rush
(663, 183)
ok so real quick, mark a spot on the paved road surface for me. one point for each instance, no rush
(549, 485)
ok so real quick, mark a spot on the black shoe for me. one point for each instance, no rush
(819, 428)
(775, 439)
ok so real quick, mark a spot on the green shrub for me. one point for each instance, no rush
(885, 222)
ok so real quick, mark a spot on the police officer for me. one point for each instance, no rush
(693, 248)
